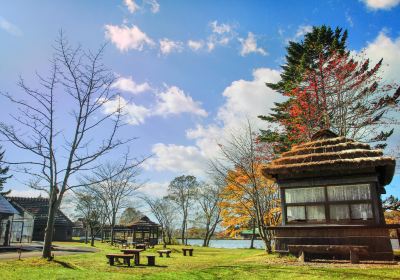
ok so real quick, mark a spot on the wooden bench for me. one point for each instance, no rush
(151, 260)
(127, 258)
(161, 252)
(190, 250)
(135, 252)
(140, 246)
(348, 250)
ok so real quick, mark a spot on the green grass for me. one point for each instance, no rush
(207, 263)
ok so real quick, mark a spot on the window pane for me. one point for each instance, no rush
(296, 213)
(349, 192)
(339, 212)
(301, 195)
(316, 213)
(361, 211)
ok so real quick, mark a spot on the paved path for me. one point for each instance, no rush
(58, 251)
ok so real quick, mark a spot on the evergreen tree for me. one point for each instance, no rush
(301, 56)
(3, 173)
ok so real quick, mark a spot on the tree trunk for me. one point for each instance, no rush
(92, 237)
(253, 236)
(48, 234)
(183, 231)
(86, 235)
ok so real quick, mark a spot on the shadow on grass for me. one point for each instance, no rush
(64, 264)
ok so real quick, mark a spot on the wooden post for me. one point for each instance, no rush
(354, 258)
(302, 257)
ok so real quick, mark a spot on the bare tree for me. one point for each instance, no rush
(165, 213)
(240, 166)
(209, 197)
(114, 183)
(182, 191)
(91, 210)
(58, 154)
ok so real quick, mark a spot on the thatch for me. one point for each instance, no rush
(327, 152)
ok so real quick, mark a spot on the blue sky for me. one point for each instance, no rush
(189, 70)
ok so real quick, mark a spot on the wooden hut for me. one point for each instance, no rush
(330, 192)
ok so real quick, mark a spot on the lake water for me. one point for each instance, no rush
(221, 243)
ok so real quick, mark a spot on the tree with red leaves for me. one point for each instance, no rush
(343, 94)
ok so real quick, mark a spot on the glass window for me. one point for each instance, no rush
(361, 211)
(301, 195)
(296, 213)
(349, 192)
(316, 213)
(339, 212)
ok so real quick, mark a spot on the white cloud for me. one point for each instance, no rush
(388, 49)
(133, 114)
(221, 35)
(131, 5)
(349, 19)
(125, 38)
(129, 85)
(9, 27)
(154, 6)
(174, 101)
(249, 45)
(168, 46)
(177, 158)
(302, 30)
(154, 189)
(243, 100)
(381, 4)
(220, 28)
(28, 193)
(195, 45)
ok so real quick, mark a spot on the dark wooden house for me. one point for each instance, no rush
(330, 192)
(39, 207)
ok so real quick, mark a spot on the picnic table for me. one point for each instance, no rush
(161, 252)
(135, 252)
(126, 257)
(190, 250)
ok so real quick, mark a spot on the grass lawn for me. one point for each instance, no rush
(207, 263)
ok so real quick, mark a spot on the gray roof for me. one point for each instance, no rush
(6, 207)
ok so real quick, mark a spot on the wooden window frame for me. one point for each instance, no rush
(327, 203)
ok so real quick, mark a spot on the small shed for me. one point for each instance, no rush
(330, 192)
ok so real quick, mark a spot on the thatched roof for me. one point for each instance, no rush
(328, 152)
(144, 221)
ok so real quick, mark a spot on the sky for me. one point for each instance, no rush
(189, 72)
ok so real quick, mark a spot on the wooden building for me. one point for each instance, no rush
(141, 231)
(38, 207)
(330, 192)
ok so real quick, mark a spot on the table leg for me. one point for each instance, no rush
(128, 262)
(191, 253)
(111, 261)
(184, 252)
(137, 259)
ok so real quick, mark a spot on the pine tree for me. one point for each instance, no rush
(3, 173)
(301, 56)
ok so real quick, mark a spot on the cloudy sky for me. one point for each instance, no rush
(188, 71)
